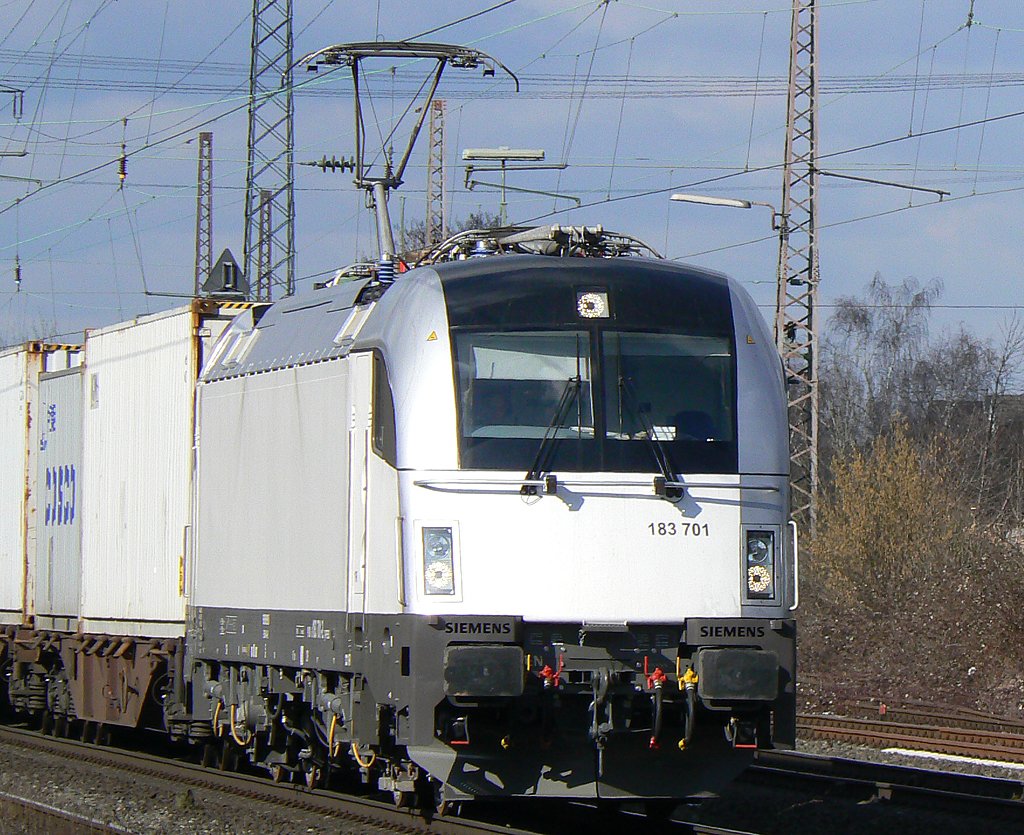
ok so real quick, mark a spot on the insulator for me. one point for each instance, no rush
(386, 271)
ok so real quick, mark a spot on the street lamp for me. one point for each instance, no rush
(503, 155)
(778, 218)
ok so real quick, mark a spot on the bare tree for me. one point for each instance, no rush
(415, 234)
(881, 367)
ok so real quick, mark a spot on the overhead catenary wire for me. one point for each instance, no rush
(773, 166)
(40, 101)
(138, 249)
(618, 126)
(618, 163)
(963, 89)
(113, 256)
(917, 69)
(159, 59)
(242, 103)
(988, 99)
(571, 137)
(920, 134)
(757, 80)
(452, 23)
(71, 112)
(554, 86)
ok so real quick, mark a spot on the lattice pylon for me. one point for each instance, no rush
(437, 220)
(264, 247)
(270, 166)
(796, 305)
(204, 212)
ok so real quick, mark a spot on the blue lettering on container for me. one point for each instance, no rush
(61, 495)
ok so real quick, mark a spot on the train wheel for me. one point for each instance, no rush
(277, 773)
(403, 800)
(211, 755)
(46, 723)
(228, 759)
(60, 725)
(449, 808)
(313, 776)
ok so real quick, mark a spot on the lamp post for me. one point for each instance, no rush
(784, 339)
(780, 223)
(778, 218)
(503, 155)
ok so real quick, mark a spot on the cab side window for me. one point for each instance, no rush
(384, 438)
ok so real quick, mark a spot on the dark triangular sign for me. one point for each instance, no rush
(226, 279)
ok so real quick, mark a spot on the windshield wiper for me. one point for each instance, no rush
(654, 443)
(546, 450)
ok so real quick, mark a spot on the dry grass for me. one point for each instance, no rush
(906, 596)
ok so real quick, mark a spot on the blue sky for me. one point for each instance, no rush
(676, 93)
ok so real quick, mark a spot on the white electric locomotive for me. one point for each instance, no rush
(506, 525)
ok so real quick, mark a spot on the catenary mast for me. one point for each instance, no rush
(269, 183)
(796, 307)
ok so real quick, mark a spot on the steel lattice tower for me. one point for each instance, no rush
(271, 150)
(204, 211)
(437, 221)
(795, 325)
(263, 248)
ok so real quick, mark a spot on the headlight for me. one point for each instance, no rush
(438, 568)
(760, 565)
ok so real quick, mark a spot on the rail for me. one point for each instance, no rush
(368, 812)
(971, 742)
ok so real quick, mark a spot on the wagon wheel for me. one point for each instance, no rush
(228, 759)
(210, 755)
(403, 799)
(449, 808)
(313, 776)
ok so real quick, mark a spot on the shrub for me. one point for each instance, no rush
(888, 516)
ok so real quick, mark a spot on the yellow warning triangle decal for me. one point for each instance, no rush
(432, 337)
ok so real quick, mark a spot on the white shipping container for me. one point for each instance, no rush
(19, 376)
(136, 487)
(17, 368)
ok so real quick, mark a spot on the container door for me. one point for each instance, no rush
(58, 511)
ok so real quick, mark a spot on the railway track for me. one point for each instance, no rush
(957, 797)
(537, 817)
(363, 811)
(821, 780)
(20, 814)
(987, 740)
(922, 713)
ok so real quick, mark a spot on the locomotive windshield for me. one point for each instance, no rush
(675, 390)
(511, 383)
(620, 362)
(681, 384)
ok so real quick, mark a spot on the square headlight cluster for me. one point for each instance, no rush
(760, 565)
(438, 561)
